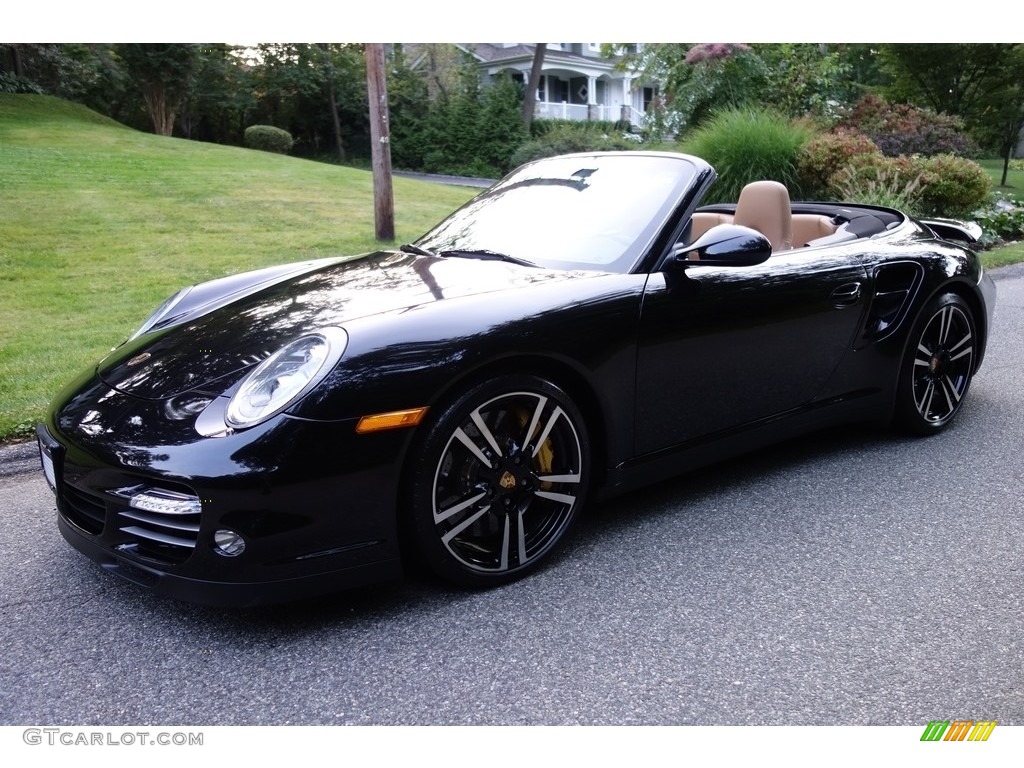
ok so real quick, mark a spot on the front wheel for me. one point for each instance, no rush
(500, 477)
(938, 366)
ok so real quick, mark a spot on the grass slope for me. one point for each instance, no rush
(1014, 178)
(99, 223)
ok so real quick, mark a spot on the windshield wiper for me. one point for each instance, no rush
(484, 254)
(413, 248)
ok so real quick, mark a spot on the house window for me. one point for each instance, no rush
(560, 89)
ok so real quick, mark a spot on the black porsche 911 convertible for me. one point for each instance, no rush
(580, 328)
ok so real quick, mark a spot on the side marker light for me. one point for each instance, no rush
(378, 422)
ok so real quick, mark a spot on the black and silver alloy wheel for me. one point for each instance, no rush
(939, 365)
(508, 473)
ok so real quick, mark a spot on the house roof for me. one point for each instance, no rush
(489, 53)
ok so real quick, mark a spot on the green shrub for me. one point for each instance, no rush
(268, 139)
(824, 156)
(956, 186)
(892, 182)
(1017, 165)
(542, 126)
(566, 137)
(1001, 220)
(903, 129)
(499, 129)
(943, 185)
(474, 132)
(11, 83)
(747, 145)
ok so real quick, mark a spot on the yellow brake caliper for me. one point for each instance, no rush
(544, 459)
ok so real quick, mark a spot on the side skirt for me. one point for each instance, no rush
(872, 406)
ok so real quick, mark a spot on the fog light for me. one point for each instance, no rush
(162, 501)
(228, 543)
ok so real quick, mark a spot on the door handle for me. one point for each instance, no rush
(846, 295)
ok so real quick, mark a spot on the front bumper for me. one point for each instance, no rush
(314, 503)
(227, 593)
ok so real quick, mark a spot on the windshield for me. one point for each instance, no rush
(571, 212)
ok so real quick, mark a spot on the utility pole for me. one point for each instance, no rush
(380, 140)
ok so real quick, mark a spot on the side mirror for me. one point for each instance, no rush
(726, 245)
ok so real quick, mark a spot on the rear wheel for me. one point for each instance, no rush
(938, 365)
(501, 476)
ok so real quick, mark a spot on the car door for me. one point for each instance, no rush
(721, 347)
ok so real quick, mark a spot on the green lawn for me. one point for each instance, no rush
(1014, 179)
(1012, 253)
(99, 223)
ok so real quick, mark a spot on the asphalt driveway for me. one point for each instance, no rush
(856, 577)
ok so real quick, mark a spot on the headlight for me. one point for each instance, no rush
(161, 312)
(285, 376)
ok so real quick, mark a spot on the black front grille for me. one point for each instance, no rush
(164, 538)
(84, 510)
(161, 536)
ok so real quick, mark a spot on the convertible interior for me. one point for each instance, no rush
(765, 206)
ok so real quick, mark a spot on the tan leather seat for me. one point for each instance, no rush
(764, 206)
(808, 227)
(702, 222)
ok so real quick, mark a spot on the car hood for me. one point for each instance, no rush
(209, 350)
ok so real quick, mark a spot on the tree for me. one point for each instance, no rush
(696, 80)
(982, 83)
(164, 73)
(530, 96)
(499, 125)
(439, 64)
(955, 78)
(221, 98)
(409, 107)
(317, 92)
(332, 101)
(86, 73)
(12, 59)
(805, 79)
(288, 77)
(1003, 118)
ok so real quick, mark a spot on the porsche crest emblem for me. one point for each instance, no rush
(138, 359)
(507, 481)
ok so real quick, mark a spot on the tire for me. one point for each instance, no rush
(499, 478)
(937, 366)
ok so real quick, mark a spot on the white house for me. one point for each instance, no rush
(577, 82)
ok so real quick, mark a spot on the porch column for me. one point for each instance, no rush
(626, 110)
(591, 90)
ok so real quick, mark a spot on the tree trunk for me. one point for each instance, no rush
(380, 143)
(160, 112)
(530, 97)
(19, 68)
(332, 102)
